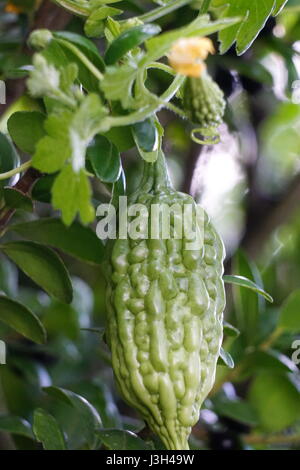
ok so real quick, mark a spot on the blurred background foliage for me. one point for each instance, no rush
(250, 186)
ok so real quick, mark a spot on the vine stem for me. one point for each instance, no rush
(142, 114)
(162, 11)
(205, 7)
(73, 7)
(15, 171)
(82, 58)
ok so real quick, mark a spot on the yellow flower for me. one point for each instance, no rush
(187, 55)
(11, 8)
(16, 9)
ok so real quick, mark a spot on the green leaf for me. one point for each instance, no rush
(76, 199)
(8, 277)
(146, 135)
(15, 199)
(155, 133)
(104, 159)
(9, 159)
(94, 25)
(85, 45)
(76, 240)
(68, 136)
(58, 54)
(47, 431)
(26, 128)
(117, 439)
(43, 266)
(119, 188)
(244, 282)
(255, 14)
(100, 394)
(247, 304)
(201, 26)
(238, 410)
(54, 149)
(118, 82)
(121, 137)
(90, 419)
(128, 40)
(279, 6)
(230, 330)
(225, 359)
(276, 400)
(289, 318)
(15, 425)
(41, 191)
(272, 361)
(21, 319)
(256, 72)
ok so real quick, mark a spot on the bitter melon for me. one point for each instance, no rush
(203, 101)
(164, 317)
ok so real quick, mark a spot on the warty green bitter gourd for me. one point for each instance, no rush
(164, 318)
(203, 101)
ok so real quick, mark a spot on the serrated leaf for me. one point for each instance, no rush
(43, 266)
(76, 240)
(225, 359)
(90, 419)
(201, 26)
(255, 14)
(26, 128)
(54, 149)
(47, 431)
(77, 199)
(117, 439)
(118, 82)
(245, 282)
(104, 159)
(289, 318)
(21, 319)
(16, 425)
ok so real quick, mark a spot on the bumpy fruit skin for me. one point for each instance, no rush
(164, 319)
(203, 101)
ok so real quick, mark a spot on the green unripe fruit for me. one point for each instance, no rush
(164, 317)
(203, 101)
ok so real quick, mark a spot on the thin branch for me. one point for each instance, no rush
(15, 171)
